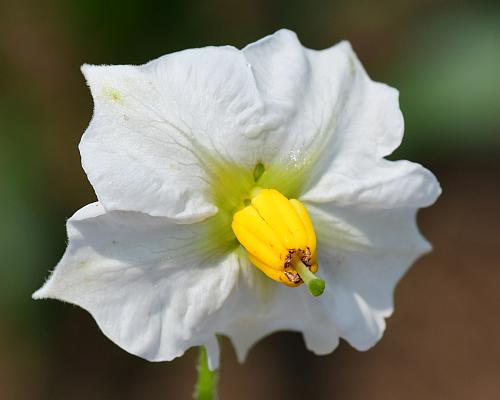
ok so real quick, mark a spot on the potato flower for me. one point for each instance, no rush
(226, 179)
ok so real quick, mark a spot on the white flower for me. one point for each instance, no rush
(172, 150)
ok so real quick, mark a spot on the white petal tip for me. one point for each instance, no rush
(319, 345)
(241, 356)
(426, 248)
(364, 347)
(286, 33)
(345, 44)
(367, 345)
(213, 353)
(241, 351)
(97, 75)
(86, 69)
(213, 366)
(39, 294)
(438, 190)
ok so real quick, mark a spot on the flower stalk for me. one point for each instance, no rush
(206, 385)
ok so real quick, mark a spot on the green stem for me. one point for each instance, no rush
(206, 386)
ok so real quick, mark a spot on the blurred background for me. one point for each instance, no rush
(443, 55)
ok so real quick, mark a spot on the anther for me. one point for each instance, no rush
(279, 237)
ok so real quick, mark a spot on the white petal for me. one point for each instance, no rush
(362, 279)
(159, 129)
(158, 134)
(328, 105)
(262, 306)
(343, 125)
(155, 288)
(213, 353)
(373, 183)
(362, 256)
(362, 286)
(364, 215)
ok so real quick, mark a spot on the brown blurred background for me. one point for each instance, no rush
(444, 339)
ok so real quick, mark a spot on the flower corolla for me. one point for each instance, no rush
(227, 178)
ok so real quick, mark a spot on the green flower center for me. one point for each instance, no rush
(231, 187)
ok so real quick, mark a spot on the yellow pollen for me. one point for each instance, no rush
(279, 238)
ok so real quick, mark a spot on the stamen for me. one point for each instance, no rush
(279, 238)
(315, 285)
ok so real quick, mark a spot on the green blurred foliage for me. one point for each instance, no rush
(450, 86)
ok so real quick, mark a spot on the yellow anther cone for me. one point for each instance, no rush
(279, 237)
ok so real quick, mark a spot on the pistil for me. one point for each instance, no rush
(315, 285)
